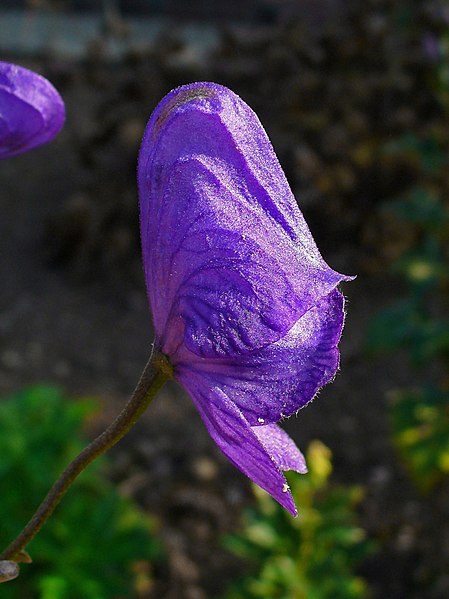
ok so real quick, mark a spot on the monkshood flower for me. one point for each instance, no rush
(247, 314)
(244, 306)
(31, 110)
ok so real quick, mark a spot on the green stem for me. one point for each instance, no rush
(157, 371)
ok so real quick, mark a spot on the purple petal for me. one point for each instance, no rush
(260, 452)
(277, 380)
(281, 448)
(31, 110)
(230, 263)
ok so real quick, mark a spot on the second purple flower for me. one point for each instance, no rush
(31, 110)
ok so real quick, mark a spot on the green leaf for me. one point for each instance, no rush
(90, 547)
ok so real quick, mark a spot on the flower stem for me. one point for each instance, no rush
(157, 371)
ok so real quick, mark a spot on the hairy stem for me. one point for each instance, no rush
(156, 373)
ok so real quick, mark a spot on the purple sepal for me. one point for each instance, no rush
(31, 110)
(225, 246)
(259, 452)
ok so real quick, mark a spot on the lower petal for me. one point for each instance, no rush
(260, 452)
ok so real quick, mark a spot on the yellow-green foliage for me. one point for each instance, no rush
(311, 557)
(420, 422)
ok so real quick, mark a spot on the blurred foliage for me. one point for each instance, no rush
(419, 323)
(311, 557)
(420, 422)
(406, 324)
(97, 545)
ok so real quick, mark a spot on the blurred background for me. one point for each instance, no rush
(355, 98)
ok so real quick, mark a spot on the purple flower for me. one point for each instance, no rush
(31, 110)
(243, 304)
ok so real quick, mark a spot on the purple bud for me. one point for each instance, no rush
(243, 304)
(31, 110)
